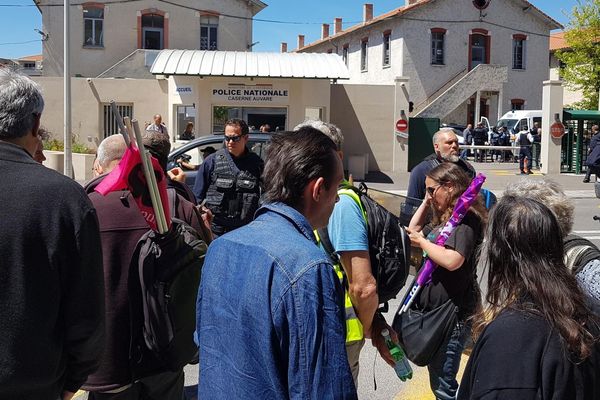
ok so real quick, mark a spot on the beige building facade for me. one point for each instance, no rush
(105, 32)
(437, 46)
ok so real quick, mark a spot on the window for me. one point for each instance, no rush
(185, 114)
(93, 21)
(29, 65)
(209, 26)
(153, 31)
(110, 123)
(437, 46)
(345, 54)
(386, 48)
(364, 61)
(517, 104)
(330, 51)
(519, 51)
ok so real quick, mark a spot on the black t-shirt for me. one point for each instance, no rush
(461, 284)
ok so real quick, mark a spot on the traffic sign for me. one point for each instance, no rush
(557, 130)
(401, 125)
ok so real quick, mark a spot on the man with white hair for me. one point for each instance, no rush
(109, 154)
(51, 286)
(445, 146)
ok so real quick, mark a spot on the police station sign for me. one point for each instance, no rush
(242, 94)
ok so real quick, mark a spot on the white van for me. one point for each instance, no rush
(516, 121)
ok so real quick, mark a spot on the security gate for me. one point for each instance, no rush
(576, 141)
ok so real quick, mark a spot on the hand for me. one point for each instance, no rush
(378, 341)
(207, 217)
(415, 237)
(66, 395)
(177, 174)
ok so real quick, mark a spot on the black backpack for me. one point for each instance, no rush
(164, 278)
(389, 246)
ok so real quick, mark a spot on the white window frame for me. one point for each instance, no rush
(210, 22)
(97, 42)
(387, 40)
(364, 55)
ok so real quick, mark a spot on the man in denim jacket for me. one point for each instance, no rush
(270, 314)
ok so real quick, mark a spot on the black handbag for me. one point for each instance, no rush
(422, 333)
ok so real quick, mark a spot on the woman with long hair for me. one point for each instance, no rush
(537, 339)
(455, 278)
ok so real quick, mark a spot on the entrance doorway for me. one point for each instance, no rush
(479, 48)
(484, 110)
(275, 117)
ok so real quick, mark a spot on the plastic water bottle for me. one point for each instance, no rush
(402, 367)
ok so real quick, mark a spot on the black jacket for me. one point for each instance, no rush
(520, 357)
(51, 286)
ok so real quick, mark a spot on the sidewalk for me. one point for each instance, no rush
(498, 175)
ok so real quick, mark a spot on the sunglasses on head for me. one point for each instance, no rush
(233, 139)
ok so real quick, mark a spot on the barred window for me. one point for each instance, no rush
(209, 27)
(437, 47)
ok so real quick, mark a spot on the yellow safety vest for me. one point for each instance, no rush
(354, 328)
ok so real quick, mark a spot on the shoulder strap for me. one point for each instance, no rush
(223, 154)
(325, 240)
(172, 194)
(355, 193)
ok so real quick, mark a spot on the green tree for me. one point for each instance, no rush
(581, 59)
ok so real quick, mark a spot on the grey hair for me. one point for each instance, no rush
(436, 136)
(20, 102)
(112, 148)
(327, 128)
(549, 193)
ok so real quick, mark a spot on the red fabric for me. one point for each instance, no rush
(129, 174)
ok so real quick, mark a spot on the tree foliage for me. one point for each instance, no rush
(581, 59)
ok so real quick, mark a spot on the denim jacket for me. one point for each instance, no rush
(270, 316)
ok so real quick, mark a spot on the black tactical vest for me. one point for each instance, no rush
(232, 195)
(523, 141)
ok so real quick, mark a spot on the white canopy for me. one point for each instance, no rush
(248, 64)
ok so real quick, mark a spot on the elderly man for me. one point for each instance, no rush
(121, 226)
(270, 312)
(229, 180)
(158, 125)
(51, 286)
(445, 146)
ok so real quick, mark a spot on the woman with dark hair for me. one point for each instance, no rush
(188, 133)
(537, 339)
(455, 277)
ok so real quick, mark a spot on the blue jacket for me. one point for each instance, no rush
(270, 316)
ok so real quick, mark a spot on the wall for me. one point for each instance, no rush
(571, 95)
(302, 93)
(121, 32)
(365, 114)
(148, 96)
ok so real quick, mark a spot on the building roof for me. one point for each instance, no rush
(557, 41)
(250, 64)
(36, 57)
(405, 9)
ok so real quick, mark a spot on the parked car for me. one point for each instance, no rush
(191, 155)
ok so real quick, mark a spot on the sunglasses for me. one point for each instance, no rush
(233, 139)
(431, 189)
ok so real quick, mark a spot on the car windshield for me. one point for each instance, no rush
(507, 123)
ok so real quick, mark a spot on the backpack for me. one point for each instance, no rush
(165, 274)
(389, 245)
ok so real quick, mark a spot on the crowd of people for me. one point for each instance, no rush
(276, 316)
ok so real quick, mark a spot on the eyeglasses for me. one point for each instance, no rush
(431, 189)
(233, 139)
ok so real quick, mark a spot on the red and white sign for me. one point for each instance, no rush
(401, 125)
(557, 130)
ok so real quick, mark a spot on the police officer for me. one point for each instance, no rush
(229, 180)
(524, 140)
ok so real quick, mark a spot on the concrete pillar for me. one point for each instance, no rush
(500, 102)
(477, 108)
(400, 146)
(552, 103)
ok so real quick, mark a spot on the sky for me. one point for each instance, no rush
(19, 18)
